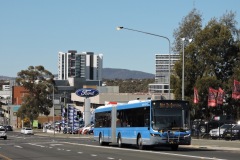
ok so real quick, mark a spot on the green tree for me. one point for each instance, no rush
(39, 82)
(211, 59)
(189, 28)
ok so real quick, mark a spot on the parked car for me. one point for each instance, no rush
(3, 133)
(8, 128)
(27, 130)
(205, 126)
(232, 133)
(214, 133)
(87, 129)
(67, 130)
(196, 123)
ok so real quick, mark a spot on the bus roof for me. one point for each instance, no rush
(130, 104)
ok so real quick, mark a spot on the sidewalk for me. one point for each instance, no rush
(216, 144)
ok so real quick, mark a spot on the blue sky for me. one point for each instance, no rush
(32, 32)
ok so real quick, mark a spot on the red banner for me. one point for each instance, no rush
(220, 96)
(236, 90)
(212, 96)
(195, 98)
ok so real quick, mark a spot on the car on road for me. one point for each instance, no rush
(218, 132)
(3, 133)
(232, 133)
(27, 130)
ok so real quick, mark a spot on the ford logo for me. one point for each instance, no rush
(87, 92)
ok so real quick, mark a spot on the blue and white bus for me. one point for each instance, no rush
(145, 124)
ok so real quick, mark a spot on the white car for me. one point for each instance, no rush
(86, 129)
(214, 133)
(3, 133)
(26, 130)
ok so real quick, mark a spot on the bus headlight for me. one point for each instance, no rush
(187, 136)
(155, 135)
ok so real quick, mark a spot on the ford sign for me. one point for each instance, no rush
(87, 92)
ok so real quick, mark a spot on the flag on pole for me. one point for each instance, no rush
(236, 90)
(212, 96)
(220, 96)
(195, 99)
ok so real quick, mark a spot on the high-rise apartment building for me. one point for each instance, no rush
(84, 65)
(161, 85)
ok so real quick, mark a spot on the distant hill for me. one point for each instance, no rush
(115, 73)
(6, 78)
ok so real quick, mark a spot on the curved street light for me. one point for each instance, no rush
(169, 66)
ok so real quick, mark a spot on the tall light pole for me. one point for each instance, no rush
(183, 66)
(169, 65)
(53, 118)
(53, 110)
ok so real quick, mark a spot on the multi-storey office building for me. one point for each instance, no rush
(83, 65)
(161, 85)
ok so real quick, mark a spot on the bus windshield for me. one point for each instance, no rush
(167, 118)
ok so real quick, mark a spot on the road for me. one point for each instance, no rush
(40, 146)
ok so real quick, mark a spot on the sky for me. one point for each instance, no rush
(32, 32)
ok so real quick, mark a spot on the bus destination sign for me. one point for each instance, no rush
(168, 105)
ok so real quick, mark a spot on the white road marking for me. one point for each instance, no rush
(80, 152)
(18, 146)
(33, 144)
(161, 153)
(55, 145)
(93, 155)
(110, 158)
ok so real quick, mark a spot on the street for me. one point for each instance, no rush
(47, 147)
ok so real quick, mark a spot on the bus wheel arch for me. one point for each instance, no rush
(140, 142)
(101, 141)
(119, 140)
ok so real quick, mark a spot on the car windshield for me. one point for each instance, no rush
(225, 126)
(237, 127)
(28, 128)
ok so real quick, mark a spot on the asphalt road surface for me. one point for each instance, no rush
(45, 147)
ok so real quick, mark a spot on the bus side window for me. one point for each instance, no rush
(146, 120)
(118, 122)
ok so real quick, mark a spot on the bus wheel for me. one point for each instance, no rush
(174, 147)
(119, 141)
(101, 140)
(139, 143)
(101, 143)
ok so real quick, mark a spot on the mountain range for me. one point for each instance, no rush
(113, 73)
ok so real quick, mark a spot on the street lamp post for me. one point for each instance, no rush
(53, 110)
(183, 66)
(53, 118)
(169, 66)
